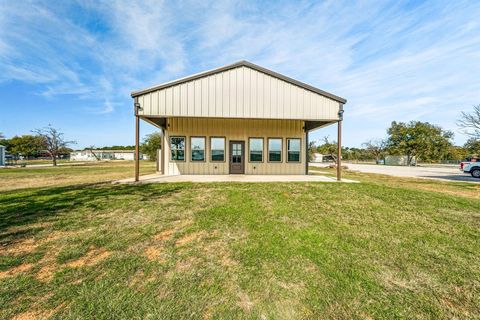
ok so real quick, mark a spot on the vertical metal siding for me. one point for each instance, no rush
(239, 93)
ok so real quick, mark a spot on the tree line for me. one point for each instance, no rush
(414, 140)
(47, 140)
(51, 142)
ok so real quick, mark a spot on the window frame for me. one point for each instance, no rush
(263, 150)
(281, 149)
(299, 151)
(184, 148)
(224, 149)
(204, 150)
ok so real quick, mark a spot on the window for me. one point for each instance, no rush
(275, 149)
(293, 150)
(177, 145)
(198, 148)
(217, 147)
(256, 149)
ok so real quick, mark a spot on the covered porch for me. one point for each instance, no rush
(160, 178)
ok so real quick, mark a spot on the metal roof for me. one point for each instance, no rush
(242, 63)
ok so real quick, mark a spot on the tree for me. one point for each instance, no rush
(376, 148)
(418, 139)
(2, 136)
(312, 148)
(26, 145)
(329, 148)
(470, 122)
(151, 144)
(472, 146)
(53, 141)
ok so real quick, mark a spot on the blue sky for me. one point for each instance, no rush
(73, 64)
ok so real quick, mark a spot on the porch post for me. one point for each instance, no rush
(137, 148)
(339, 143)
(137, 141)
(306, 152)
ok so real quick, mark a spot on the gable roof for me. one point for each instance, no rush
(242, 63)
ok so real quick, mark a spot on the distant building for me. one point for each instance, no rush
(2, 156)
(399, 161)
(317, 157)
(93, 155)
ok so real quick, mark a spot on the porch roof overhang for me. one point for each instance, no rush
(161, 122)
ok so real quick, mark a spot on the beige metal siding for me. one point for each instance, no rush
(239, 93)
(233, 129)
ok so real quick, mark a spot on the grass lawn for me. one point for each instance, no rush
(75, 174)
(385, 248)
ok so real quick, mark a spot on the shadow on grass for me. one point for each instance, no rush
(23, 207)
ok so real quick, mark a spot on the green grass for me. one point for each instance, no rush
(386, 248)
(75, 174)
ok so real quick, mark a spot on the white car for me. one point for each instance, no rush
(472, 167)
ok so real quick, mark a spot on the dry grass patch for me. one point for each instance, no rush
(244, 302)
(30, 315)
(195, 236)
(154, 254)
(46, 272)
(92, 257)
(16, 270)
(164, 235)
(19, 247)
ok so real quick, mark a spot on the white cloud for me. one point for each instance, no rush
(392, 61)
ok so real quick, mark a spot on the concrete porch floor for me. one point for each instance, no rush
(159, 178)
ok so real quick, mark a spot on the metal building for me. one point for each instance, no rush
(236, 119)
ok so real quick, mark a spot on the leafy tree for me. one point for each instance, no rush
(418, 139)
(151, 144)
(53, 141)
(328, 148)
(6, 143)
(470, 122)
(312, 148)
(376, 148)
(26, 145)
(472, 146)
(456, 153)
(2, 136)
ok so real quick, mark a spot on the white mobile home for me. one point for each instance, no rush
(94, 155)
(237, 119)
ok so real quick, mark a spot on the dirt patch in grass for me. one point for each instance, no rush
(18, 247)
(16, 270)
(164, 235)
(30, 315)
(195, 236)
(154, 254)
(92, 257)
(46, 272)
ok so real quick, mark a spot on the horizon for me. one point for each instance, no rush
(74, 64)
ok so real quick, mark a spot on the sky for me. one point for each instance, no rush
(73, 64)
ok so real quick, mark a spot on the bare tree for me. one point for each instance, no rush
(91, 148)
(376, 148)
(470, 122)
(53, 141)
